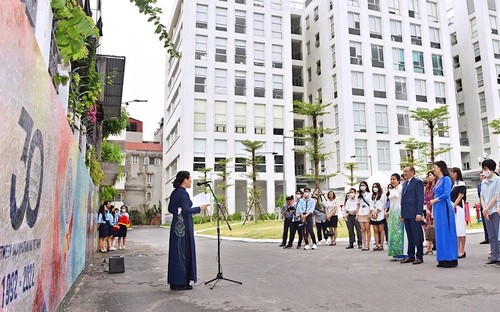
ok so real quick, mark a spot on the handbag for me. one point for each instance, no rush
(430, 233)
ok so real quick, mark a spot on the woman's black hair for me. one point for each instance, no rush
(444, 168)
(367, 188)
(397, 176)
(328, 195)
(112, 210)
(180, 177)
(106, 202)
(389, 188)
(376, 196)
(101, 211)
(489, 163)
(458, 172)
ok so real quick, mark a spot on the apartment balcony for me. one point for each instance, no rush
(464, 141)
(296, 30)
(297, 55)
(298, 82)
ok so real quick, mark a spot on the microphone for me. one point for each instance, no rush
(203, 183)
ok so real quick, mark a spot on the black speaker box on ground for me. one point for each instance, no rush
(116, 264)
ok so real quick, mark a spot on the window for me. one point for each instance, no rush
(277, 56)
(319, 95)
(240, 23)
(492, 5)
(458, 85)
(317, 43)
(316, 13)
(135, 159)
(240, 118)
(477, 52)
(259, 85)
(260, 118)
(354, 25)
(377, 56)
(413, 9)
(486, 130)
(337, 153)
(220, 116)
(416, 34)
(220, 81)
(453, 38)
(359, 117)
(308, 47)
(259, 54)
(432, 12)
(149, 196)
(200, 119)
(318, 67)
(201, 48)
(435, 38)
(396, 31)
(278, 120)
(394, 7)
(418, 62)
(240, 1)
(277, 86)
(482, 102)
(456, 61)
(240, 56)
(479, 75)
(335, 119)
(381, 119)
(473, 27)
(219, 163)
(334, 58)
(146, 160)
(335, 92)
(383, 155)
(400, 88)
(398, 59)
(437, 65)
(374, 5)
(461, 109)
(379, 86)
(258, 24)
(240, 83)
(240, 164)
(332, 28)
(497, 67)
(276, 4)
(309, 74)
(420, 90)
(278, 163)
(276, 27)
(357, 83)
(220, 50)
(493, 24)
(403, 120)
(308, 24)
(310, 98)
(355, 52)
(200, 79)
(260, 161)
(354, 3)
(496, 49)
(221, 19)
(361, 152)
(258, 3)
(201, 16)
(157, 161)
(439, 90)
(375, 27)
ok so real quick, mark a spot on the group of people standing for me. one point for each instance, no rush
(112, 223)
(402, 215)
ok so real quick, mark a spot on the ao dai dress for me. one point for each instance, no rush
(397, 234)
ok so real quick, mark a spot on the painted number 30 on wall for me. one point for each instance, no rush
(34, 176)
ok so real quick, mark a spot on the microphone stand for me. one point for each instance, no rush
(219, 272)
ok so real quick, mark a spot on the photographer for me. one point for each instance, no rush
(297, 224)
(288, 212)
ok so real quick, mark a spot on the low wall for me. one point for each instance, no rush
(48, 202)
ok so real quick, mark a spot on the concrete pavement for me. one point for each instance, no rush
(330, 278)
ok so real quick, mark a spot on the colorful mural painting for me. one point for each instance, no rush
(47, 199)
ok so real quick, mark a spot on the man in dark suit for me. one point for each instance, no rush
(412, 206)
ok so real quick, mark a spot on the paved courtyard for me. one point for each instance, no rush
(330, 278)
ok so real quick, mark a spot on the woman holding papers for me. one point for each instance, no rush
(181, 253)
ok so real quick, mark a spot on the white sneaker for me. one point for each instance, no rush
(112, 248)
(124, 247)
(307, 247)
(120, 247)
(314, 247)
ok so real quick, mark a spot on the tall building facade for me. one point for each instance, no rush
(232, 83)
(373, 60)
(475, 54)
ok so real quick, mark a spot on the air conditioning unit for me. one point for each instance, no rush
(150, 184)
(411, 13)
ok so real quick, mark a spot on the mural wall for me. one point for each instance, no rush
(47, 200)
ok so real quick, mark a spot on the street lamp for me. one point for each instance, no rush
(134, 101)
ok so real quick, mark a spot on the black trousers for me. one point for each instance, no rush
(320, 229)
(286, 226)
(295, 227)
(486, 238)
(310, 230)
(351, 224)
(415, 238)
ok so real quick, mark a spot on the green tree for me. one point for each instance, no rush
(495, 125)
(223, 185)
(412, 145)
(203, 189)
(111, 152)
(313, 136)
(435, 121)
(252, 147)
(351, 166)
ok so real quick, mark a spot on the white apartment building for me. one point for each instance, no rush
(475, 52)
(232, 83)
(375, 60)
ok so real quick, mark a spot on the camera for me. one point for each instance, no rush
(327, 233)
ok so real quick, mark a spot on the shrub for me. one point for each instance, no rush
(136, 217)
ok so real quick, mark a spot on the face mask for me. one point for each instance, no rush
(306, 194)
(487, 173)
(375, 190)
(352, 195)
(299, 196)
(362, 188)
